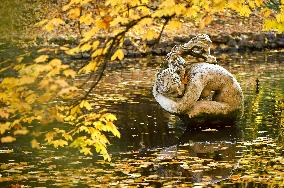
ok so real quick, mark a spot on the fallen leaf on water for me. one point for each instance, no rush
(7, 139)
(235, 177)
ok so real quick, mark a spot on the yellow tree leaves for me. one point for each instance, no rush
(174, 25)
(87, 19)
(35, 144)
(69, 73)
(92, 124)
(150, 35)
(41, 59)
(85, 104)
(30, 94)
(118, 54)
(52, 24)
(74, 13)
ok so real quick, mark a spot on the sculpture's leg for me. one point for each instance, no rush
(209, 107)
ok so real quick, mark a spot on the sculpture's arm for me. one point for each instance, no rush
(184, 104)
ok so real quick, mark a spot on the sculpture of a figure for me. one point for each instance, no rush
(182, 88)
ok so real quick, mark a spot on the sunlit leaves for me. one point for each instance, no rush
(23, 131)
(53, 23)
(104, 22)
(150, 35)
(59, 143)
(87, 19)
(85, 47)
(174, 25)
(90, 123)
(118, 54)
(86, 151)
(85, 104)
(4, 127)
(7, 139)
(91, 67)
(74, 13)
(41, 59)
(69, 73)
(35, 144)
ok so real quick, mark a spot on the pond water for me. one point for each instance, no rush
(159, 149)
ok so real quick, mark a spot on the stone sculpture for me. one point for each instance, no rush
(201, 87)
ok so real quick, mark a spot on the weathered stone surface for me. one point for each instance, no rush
(227, 99)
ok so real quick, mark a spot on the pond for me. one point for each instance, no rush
(158, 149)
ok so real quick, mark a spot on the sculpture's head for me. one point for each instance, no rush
(169, 83)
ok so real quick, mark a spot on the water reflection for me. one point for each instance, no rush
(156, 148)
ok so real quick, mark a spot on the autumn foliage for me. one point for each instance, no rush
(44, 92)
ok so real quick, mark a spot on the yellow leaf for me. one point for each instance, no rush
(35, 144)
(44, 98)
(89, 34)
(260, 2)
(266, 12)
(7, 139)
(19, 59)
(4, 127)
(85, 47)
(86, 104)
(270, 24)
(66, 7)
(21, 132)
(62, 83)
(26, 80)
(74, 13)
(31, 98)
(98, 52)
(49, 27)
(75, 110)
(41, 23)
(53, 23)
(86, 151)
(117, 55)
(84, 2)
(150, 35)
(104, 23)
(205, 21)
(109, 117)
(69, 72)
(219, 4)
(41, 59)
(174, 24)
(73, 51)
(244, 10)
(55, 63)
(95, 44)
(4, 114)
(113, 129)
(280, 17)
(67, 136)
(49, 136)
(59, 143)
(252, 3)
(63, 48)
(87, 19)
(92, 66)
